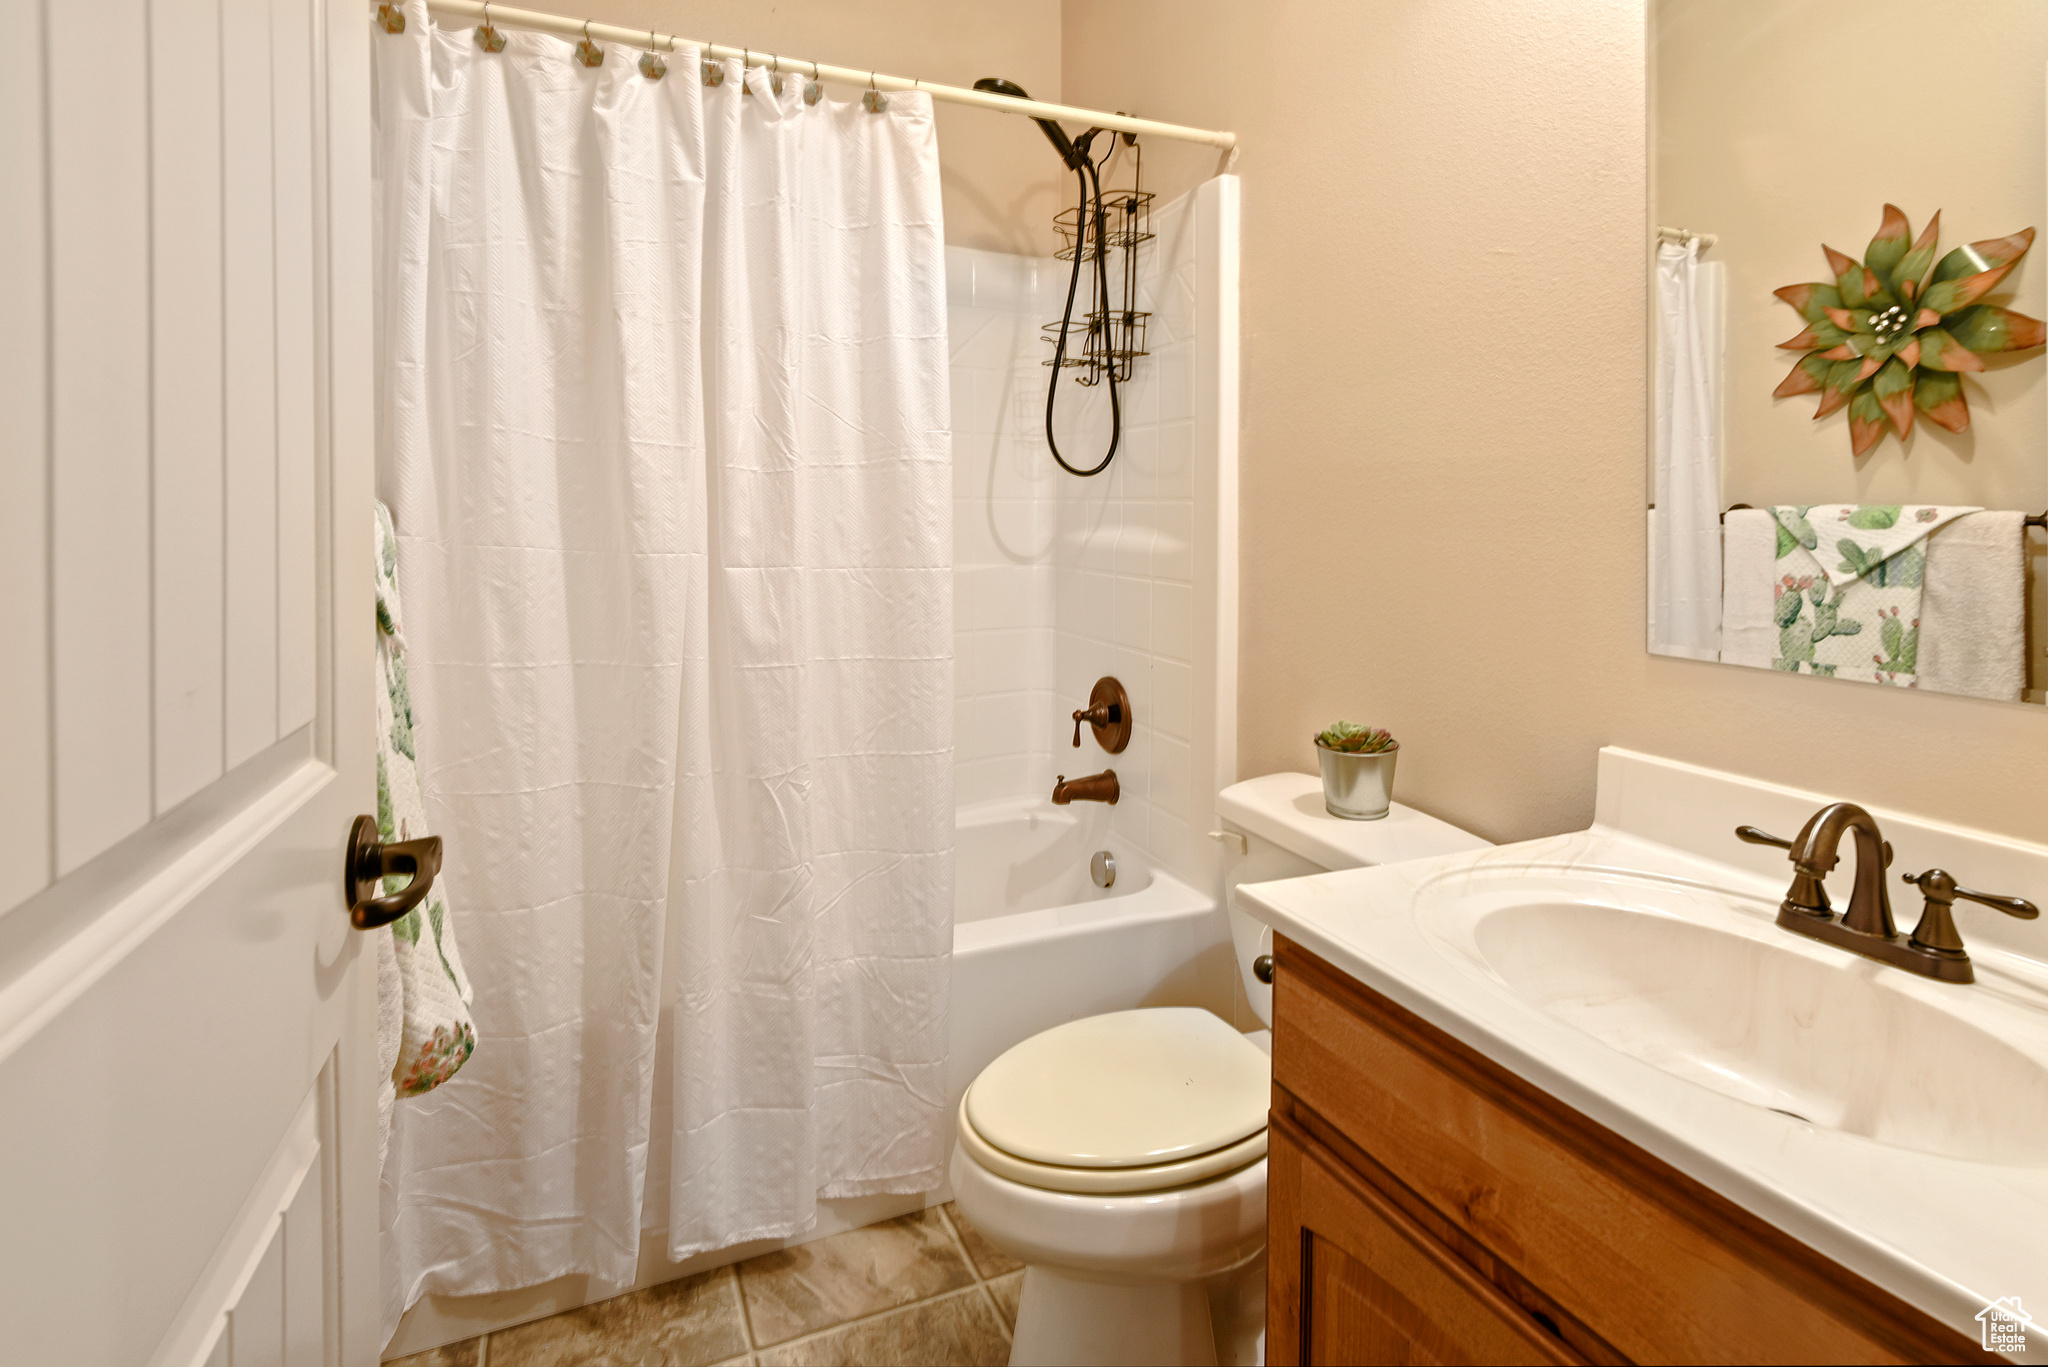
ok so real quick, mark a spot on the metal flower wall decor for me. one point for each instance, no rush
(1886, 338)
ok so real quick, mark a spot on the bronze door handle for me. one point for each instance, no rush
(370, 861)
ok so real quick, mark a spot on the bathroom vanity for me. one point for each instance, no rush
(1427, 1205)
(1582, 1099)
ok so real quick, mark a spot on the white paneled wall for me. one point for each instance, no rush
(159, 383)
(1060, 579)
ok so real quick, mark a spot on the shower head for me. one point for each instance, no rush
(1054, 134)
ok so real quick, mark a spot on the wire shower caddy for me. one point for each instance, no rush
(1100, 340)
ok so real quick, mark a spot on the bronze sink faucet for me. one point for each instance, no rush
(1100, 787)
(1933, 950)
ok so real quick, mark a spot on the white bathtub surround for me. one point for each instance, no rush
(1003, 487)
(665, 426)
(1635, 972)
(1132, 572)
(1146, 560)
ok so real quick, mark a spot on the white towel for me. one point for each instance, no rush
(1749, 558)
(1973, 628)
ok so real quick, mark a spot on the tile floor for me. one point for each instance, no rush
(921, 1289)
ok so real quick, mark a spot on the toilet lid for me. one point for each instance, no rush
(1130, 1089)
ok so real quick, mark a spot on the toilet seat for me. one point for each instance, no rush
(1109, 1181)
(1132, 1101)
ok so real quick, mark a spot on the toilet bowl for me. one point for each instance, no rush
(1121, 1158)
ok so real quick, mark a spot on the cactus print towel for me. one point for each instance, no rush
(438, 1036)
(1846, 599)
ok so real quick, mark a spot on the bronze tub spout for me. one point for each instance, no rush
(1100, 787)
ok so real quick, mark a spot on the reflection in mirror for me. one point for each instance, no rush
(1849, 428)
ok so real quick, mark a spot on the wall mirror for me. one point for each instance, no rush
(1849, 407)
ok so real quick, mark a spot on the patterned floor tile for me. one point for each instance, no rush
(959, 1330)
(814, 1286)
(989, 1260)
(684, 1323)
(1006, 1290)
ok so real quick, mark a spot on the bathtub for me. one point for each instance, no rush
(1036, 943)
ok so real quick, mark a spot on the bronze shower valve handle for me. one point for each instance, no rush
(1108, 713)
(1094, 716)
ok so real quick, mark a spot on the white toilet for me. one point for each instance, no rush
(1122, 1158)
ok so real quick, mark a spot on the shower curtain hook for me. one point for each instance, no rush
(874, 101)
(651, 66)
(775, 72)
(746, 60)
(812, 88)
(713, 69)
(488, 38)
(587, 52)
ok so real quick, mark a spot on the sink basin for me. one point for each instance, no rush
(1700, 984)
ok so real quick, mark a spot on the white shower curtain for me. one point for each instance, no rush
(664, 425)
(1685, 524)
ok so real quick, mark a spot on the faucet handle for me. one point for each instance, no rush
(1939, 885)
(1936, 933)
(1808, 894)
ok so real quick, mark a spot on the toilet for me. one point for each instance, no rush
(1122, 1158)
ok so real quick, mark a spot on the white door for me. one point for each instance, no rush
(187, 1165)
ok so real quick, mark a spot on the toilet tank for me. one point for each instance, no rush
(1277, 827)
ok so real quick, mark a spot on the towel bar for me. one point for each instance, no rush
(2037, 520)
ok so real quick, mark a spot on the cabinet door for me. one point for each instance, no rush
(1351, 1279)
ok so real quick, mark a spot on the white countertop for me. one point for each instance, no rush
(1945, 1234)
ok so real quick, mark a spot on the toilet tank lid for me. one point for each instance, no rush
(1288, 810)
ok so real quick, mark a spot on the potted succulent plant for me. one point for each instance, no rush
(1358, 770)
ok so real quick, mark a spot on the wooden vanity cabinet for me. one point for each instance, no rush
(1427, 1206)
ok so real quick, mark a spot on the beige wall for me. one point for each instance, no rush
(1443, 418)
(1002, 183)
(1737, 114)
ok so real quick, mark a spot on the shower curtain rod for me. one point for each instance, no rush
(641, 39)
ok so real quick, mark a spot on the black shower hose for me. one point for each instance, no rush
(1086, 173)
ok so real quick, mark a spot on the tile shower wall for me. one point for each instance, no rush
(1003, 527)
(1123, 562)
(1061, 580)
